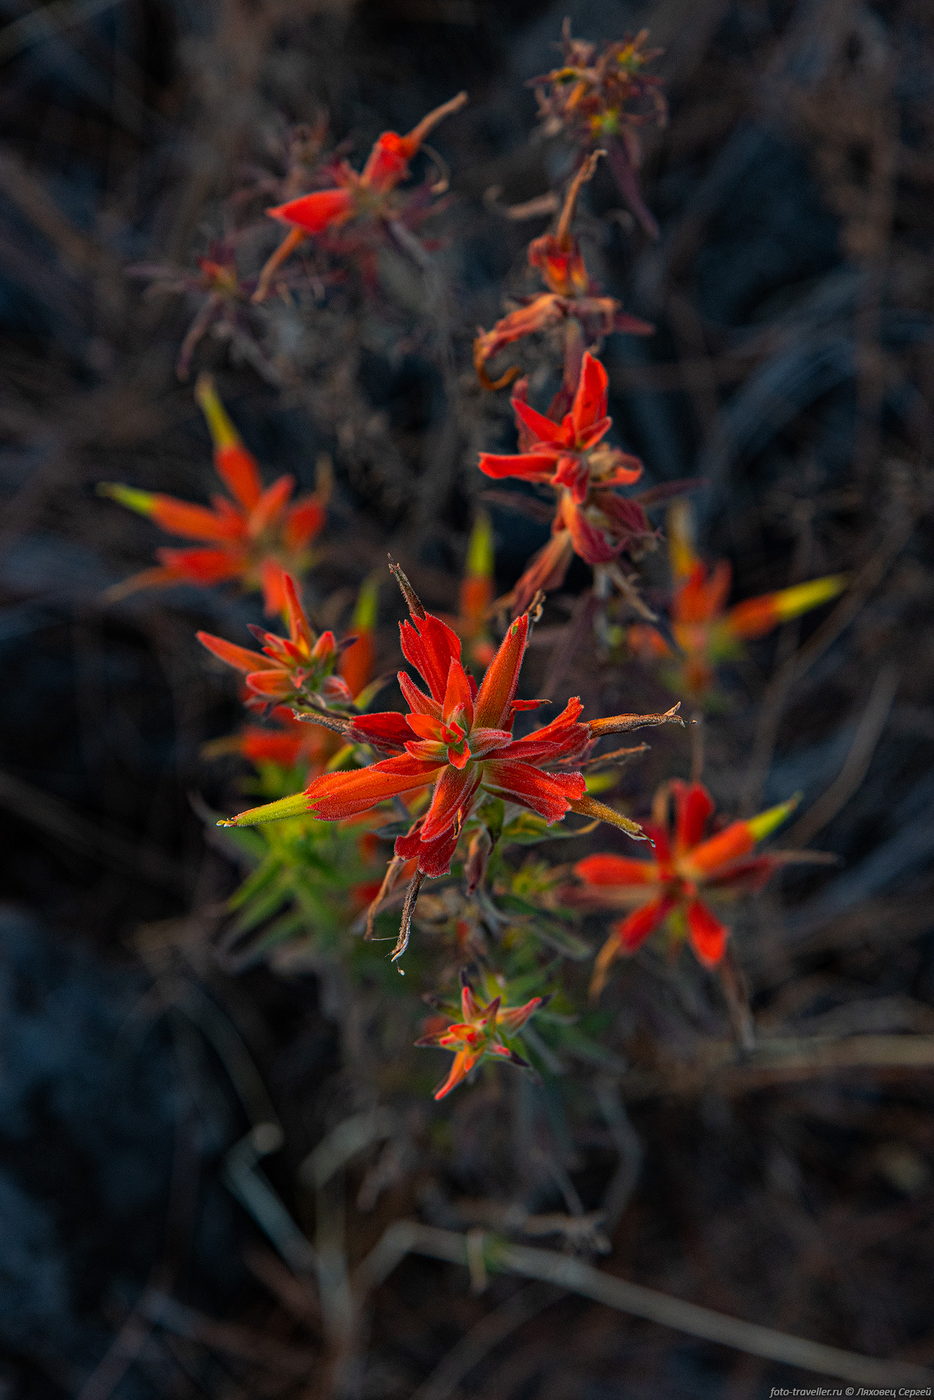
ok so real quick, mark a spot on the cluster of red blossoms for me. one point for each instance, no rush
(451, 758)
(457, 739)
(591, 519)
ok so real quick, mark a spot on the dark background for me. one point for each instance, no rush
(792, 370)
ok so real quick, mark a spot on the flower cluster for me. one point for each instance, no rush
(256, 534)
(462, 776)
(457, 740)
(591, 519)
(704, 629)
(687, 865)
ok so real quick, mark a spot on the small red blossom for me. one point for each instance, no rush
(366, 195)
(482, 1032)
(591, 519)
(571, 299)
(255, 534)
(298, 668)
(456, 740)
(706, 630)
(668, 889)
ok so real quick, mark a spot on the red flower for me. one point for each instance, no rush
(295, 668)
(591, 519)
(255, 534)
(355, 196)
(567, 454)
(478, 1035)
(705, 629)
(668, 887)
(457, 740)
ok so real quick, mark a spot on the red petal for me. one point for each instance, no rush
(430, 645)
(238, 470)
(728, 845)
(295, 615)
(707, 934)
(385, 730)
(525, 464)
(453, 794)
(616, 871)
(315, 212)
(272, 576)
(241, 658)
(388, 161)
(303, 522)
(589, 542)
(699, 599)
(270, 505)
(637, 926)
(693, 809)
(542, 429)
(194, 522)
(548, 794)
(458, 694)
(564, 737)
(201, 565)
(589, 404)
(493, 705)
(333, 796)
(434, 857)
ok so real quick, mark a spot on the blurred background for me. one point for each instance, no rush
(160, 1104)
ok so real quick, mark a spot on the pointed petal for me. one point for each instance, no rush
(590, 543)
(434, 857)
(453, 794)
(541, 428)
(492, 708)
(707, 934)
(241, 658)
(200, 565)
(564, 737)
(430, 646)
(234, 464)
(757, 616)
(735, 840)
(333, 796)
(548, 794)
(416, 699)
(303, 521)
(313, 213)
(535, 467)
(272, 577)
(386, 729)
(270, 505)
(616, 871)
(590, 399)
(458, 695)
(192, 521)
(300, 629)
(641, 923)
(693, 809)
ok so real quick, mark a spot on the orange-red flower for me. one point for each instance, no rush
(456, 740)
(571, 296)
(669, 888)
(480, 1033)
(706, 630)
(591, 518)
(298, 668)
(355, 196)
(255, 534)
